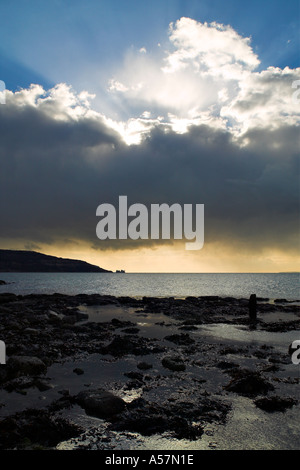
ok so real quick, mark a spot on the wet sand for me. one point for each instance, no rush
(107, 373)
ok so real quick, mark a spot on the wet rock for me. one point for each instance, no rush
(123, 345)
(134, 375)
(173, 416)
(25, 365)
(174, 363)
(4, 298)
(32, 331)
(78, 371)
(20, 383)
(182, 339)
(148, 419)
(249, 383)
(275, 403)
(209, 297)
(69, 319)
(2, 283)
(121, 323)
(100, 403)
(137, 380)
(35, 429)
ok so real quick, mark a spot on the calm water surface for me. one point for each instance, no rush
(281, 285)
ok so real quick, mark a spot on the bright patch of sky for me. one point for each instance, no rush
(141, 64)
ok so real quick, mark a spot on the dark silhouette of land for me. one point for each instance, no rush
(32, 261)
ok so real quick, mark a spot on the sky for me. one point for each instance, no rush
(174, 101)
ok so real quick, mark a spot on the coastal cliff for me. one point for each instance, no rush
(32, 261)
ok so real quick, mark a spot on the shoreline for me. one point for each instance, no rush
(103, 372)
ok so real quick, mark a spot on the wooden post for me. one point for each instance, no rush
(252, 307)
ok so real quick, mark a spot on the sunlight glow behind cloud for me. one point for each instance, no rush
(206, 76)
(203, 126)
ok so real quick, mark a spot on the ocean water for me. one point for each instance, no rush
(272, 286)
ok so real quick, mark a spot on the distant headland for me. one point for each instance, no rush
(32, 261)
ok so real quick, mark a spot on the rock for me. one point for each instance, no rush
(32, 331)
(35, 430)
(25, 365)
(174, 363)
(2, 283)
(24, 382)
(100, 403)
(249, 383)
(121, 323)
(182, 339)
(4, 298)
(134, 375)
(54, 317)
(181, 418)
(275, 403)
(209, 297)
(78, 371)
(80, 316)
(69, 319)
(122, 345)
(252, 307)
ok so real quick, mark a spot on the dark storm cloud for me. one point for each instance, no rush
(55, 172)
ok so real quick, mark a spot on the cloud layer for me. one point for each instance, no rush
(204, 126)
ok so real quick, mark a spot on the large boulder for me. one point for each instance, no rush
(25, 365)
(100, 403)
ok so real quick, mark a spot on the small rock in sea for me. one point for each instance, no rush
(2, 283)
(174, 363)
(78, 371)
(100, 403)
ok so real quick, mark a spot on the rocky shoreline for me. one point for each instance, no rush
(71, 382)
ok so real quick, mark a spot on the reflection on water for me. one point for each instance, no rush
(245, 335)
(162, 285)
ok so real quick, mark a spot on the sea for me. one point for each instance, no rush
(178, 285)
